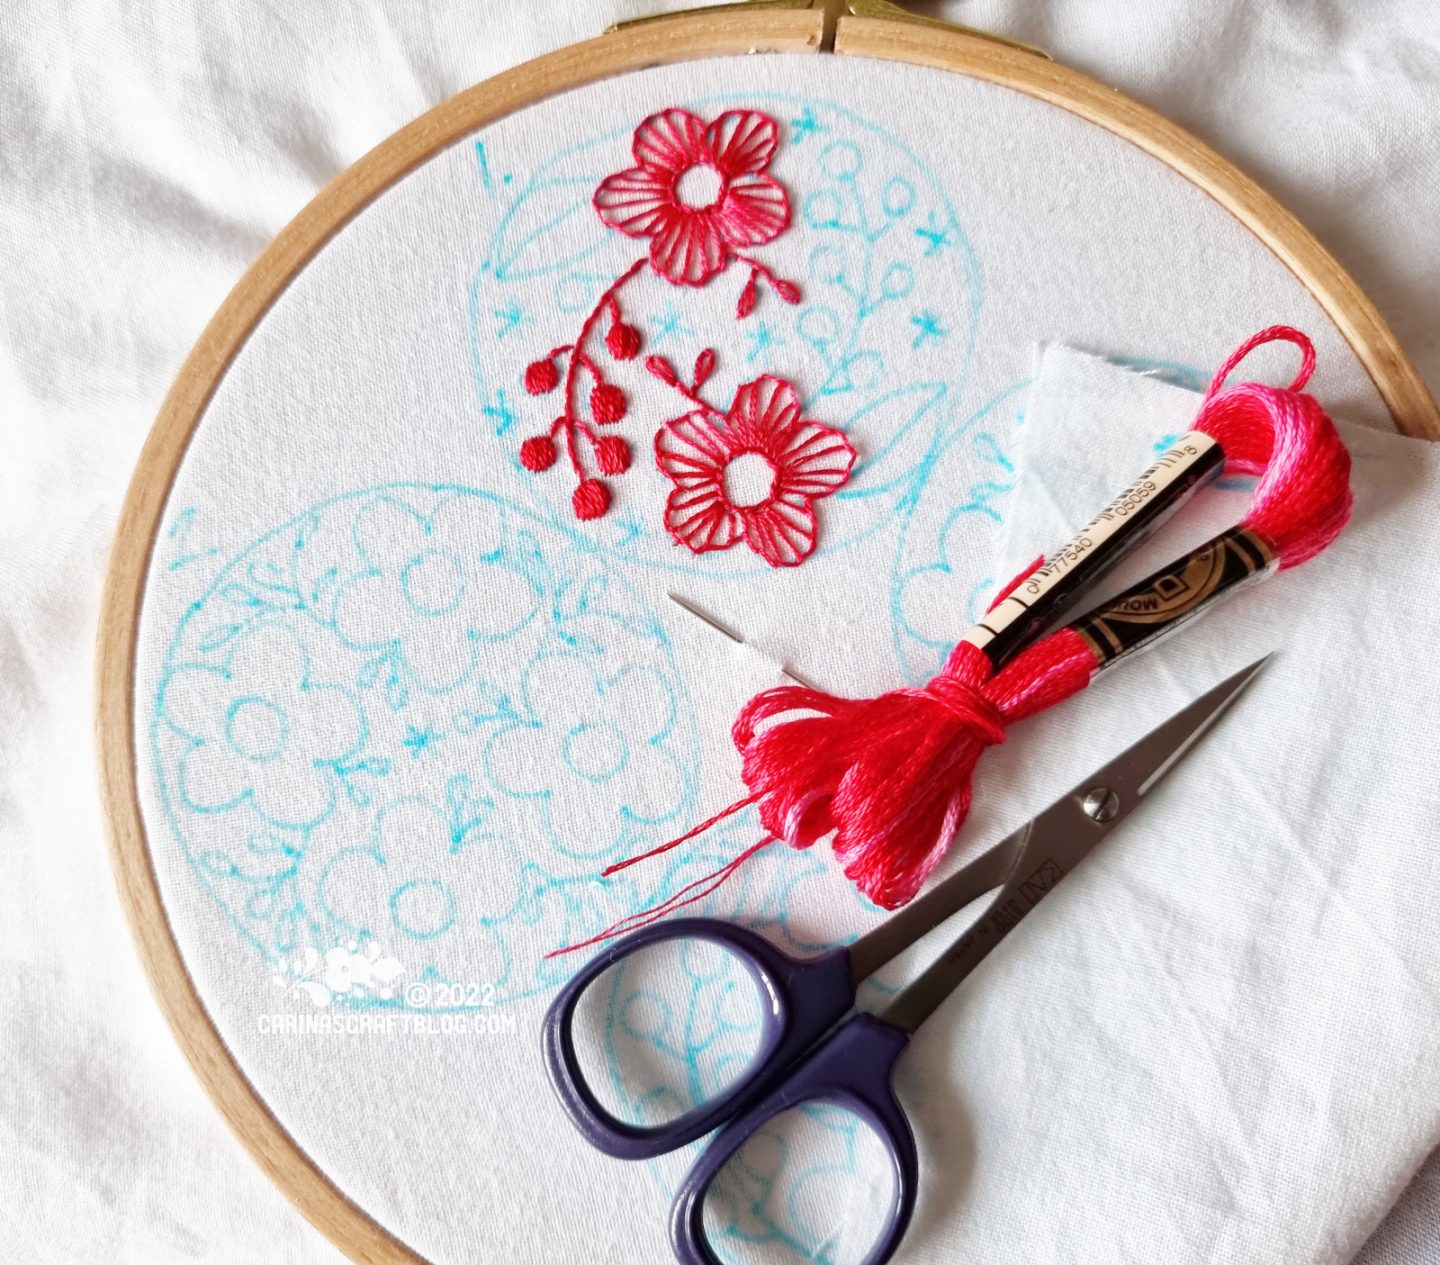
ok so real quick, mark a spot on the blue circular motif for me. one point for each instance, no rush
(596, 752)
(433, 582)
(423, 907)
(257, 729)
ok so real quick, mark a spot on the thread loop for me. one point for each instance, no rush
(1302, 500)
(1271, 334)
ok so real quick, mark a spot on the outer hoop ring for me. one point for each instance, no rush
(677, 39)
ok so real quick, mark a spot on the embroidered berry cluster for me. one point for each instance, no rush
(607, 404)
(692, 237)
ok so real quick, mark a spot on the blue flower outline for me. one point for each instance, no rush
(449, 590)
(510, 771)
(205, 705)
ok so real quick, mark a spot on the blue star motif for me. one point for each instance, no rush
(511, 318)
(419, 741)
(670, 322)
(630, 528)
(936, 235)
(762, 338)
(928, 327)
(500, 411)
(805, 124)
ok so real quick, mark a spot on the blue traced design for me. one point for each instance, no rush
(401, 801)
(931, 528)
(427, 781)
(674, 1037)
(884, 252)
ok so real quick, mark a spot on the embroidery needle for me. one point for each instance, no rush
(705, 617)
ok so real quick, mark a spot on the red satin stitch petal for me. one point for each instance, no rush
(691, 450)
(782, 531)
(754, 210)
(815, 460)
(761, 413)
(671, 141)
(701, 519)
(688, 249)
(742, 142)
(639, 201)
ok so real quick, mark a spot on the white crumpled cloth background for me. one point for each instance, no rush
(146, 156)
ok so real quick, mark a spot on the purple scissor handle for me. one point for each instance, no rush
(801, 1000)
(803, 1056)
(850, 1069)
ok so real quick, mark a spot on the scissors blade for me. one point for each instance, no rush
(1133, 773)
(1044, 850)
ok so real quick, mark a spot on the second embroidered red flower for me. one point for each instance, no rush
(752, 474)
(697, 191)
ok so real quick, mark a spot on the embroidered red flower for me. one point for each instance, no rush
(800, 460)
(698, 194)
(698, 191)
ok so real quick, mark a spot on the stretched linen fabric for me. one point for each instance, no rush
(1234, 1011)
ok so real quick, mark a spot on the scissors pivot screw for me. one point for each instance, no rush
(1101, 804)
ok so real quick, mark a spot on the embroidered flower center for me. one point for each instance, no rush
(256, 729)
(433, 582)
(749, 480)
(423, 908)
(595, 752)
(699, 187)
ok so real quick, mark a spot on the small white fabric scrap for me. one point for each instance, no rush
(1232, 1041)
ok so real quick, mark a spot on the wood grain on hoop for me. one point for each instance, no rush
(678, 39)
(1355, 316)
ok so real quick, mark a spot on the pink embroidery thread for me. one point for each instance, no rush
(688, 245)
(888, 779)
(807, 461)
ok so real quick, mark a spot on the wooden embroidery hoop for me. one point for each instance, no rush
(861, 28)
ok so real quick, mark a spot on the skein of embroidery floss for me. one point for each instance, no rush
(889, 779)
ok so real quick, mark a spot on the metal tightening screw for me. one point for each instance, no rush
(1101, 803)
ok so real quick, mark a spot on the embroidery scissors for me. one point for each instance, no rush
(807, 1054)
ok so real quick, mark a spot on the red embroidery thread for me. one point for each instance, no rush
(888, 779)
(807, 461)
(690, 242)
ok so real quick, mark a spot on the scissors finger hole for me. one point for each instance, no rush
(666, 1029)
(813, 1184)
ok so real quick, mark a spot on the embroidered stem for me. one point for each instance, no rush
(786, 289)
(591, 497)
(661, 368)
(607, 302)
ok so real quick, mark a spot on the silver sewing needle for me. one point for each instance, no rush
(704, 616)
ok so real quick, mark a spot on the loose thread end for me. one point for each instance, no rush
(705, 825)
(634, 922)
